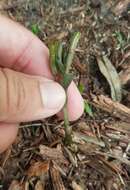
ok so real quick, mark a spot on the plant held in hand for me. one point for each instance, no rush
(61, 59)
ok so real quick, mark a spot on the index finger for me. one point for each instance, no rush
(22, 51)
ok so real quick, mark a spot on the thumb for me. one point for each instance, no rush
(26, 98)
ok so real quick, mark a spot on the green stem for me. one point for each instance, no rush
(59, 68)
(68, 131)
(69, 61)
(66, 120)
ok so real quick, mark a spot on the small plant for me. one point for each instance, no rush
(35, 29)
(88, 109)
(61, 59)
(121, 40)
(81, 88)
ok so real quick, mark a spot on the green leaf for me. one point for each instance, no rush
(64, 56)
(56, 53)
(111, 75)
(89, 139)
(35, 29)
(53, 53)
(67, 79)
(121, 41)
(59, 59)
(88, 109)
(81, 88)
(73, 44)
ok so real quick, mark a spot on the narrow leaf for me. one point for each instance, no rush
(59, 59)
(35, 29)
(53, 53)
(81, 88)
(114, 78)
(67, 79)
(73, 44)
(88, 109)
(111, 75)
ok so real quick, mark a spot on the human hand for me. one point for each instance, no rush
(27, 89)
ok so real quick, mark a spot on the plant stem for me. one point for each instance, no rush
(69, 61)
(68, 130)
(61, 67)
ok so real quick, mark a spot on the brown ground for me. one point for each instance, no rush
(99, 157)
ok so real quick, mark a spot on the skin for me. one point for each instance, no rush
(23, 52)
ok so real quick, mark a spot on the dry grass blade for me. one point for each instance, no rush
(56, 179)
(15, 185)
(71, 157)
(39, 186)
(111, 165)
(120, 7)
(75, 186)
(79, 136)
(115, 108)
(125, 75)
(110, 73)
(122, 127)
(111, 155)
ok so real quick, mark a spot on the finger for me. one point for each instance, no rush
(26, 53)
(8, 133)
(26, 98)
(77, 107)
(21, 50)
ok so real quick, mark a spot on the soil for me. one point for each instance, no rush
(99, 158)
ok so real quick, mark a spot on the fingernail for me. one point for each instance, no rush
(53, 95)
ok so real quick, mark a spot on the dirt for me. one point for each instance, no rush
(99, 157)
